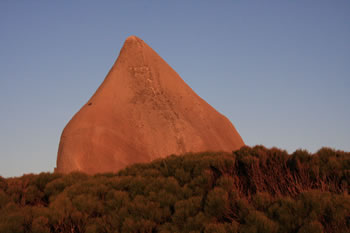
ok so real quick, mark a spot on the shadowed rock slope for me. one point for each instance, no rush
(143, 110)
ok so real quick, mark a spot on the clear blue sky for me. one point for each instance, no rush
(279, 70)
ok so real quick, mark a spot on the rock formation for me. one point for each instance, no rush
(143, 110)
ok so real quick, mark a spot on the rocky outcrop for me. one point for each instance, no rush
(143, 110)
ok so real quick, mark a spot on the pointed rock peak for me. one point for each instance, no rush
(133, 38)
(132, 51)
(133, 41)
(142, 111)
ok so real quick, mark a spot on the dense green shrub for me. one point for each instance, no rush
(250, 190)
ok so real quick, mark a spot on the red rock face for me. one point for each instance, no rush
(143, 110)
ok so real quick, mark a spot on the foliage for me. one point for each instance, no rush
(249, 190)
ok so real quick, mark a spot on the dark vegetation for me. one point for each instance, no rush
(250, 190)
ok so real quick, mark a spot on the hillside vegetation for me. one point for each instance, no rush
(250, 190)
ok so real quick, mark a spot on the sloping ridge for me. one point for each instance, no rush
(143, 110)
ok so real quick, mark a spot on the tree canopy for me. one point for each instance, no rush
(249, 190)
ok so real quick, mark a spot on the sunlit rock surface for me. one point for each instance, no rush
(143, 110)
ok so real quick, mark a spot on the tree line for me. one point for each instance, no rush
(254, 189)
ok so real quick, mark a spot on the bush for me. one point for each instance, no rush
(250, 190)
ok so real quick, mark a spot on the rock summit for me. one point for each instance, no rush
(142, 111)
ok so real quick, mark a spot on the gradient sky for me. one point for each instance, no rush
(279, 70)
